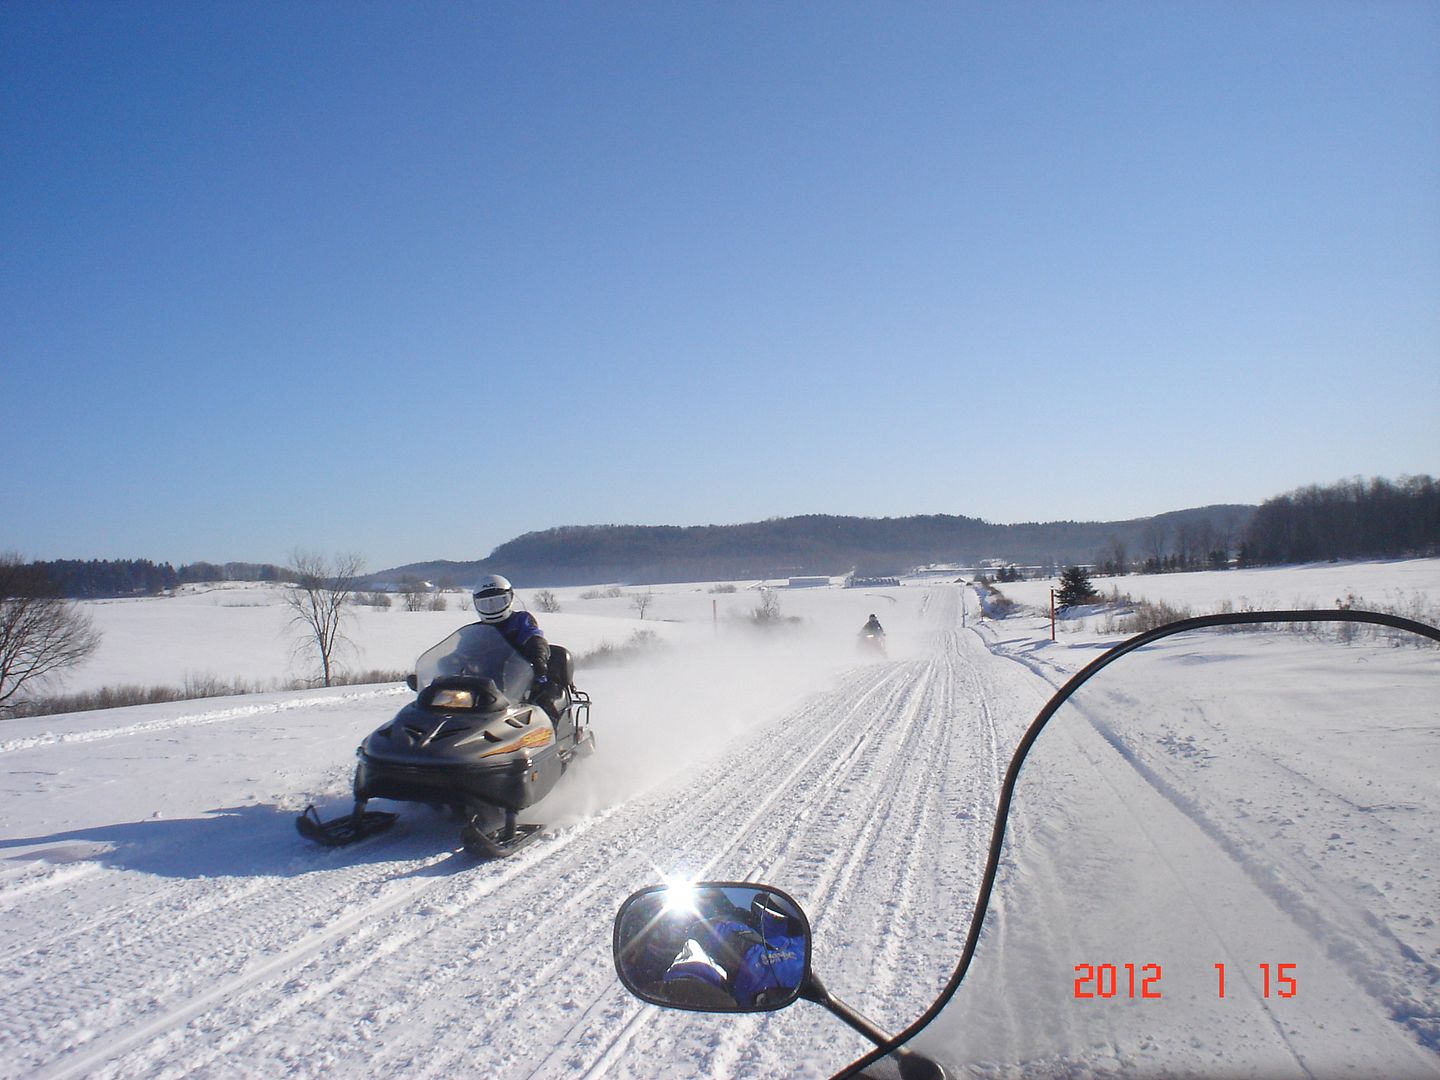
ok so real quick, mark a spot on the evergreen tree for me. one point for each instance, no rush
(1075, 588)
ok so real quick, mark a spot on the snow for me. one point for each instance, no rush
(1245, 799)
(1398, 586)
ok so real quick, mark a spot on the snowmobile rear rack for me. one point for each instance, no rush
(347, 829)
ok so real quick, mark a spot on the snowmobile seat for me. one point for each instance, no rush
(562, 666)
(554, 699)
(557, 698)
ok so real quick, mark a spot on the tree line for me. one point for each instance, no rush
(1352, 519)
(43, 631)
(99, 579)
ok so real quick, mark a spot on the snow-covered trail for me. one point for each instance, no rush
(1195, 813)
(402, 956)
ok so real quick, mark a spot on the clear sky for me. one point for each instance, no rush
(412, 279)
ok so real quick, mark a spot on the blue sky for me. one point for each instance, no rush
(410, 280)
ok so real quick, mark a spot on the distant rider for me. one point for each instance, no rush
(873, 626)
(495, 603)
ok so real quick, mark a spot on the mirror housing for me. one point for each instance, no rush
(410, 680)
(713, 946)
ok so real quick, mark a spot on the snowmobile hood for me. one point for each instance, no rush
(426, 736)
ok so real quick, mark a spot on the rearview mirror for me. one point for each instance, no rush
(713, 946)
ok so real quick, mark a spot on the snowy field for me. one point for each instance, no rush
(1410, 587)
(1258, 807)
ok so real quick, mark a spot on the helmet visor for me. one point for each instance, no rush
(492, 602)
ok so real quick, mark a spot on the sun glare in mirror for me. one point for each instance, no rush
(680, 896)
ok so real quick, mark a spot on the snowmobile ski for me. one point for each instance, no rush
(347, 829)
(501, 842)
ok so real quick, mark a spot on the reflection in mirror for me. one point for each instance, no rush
(713, 946)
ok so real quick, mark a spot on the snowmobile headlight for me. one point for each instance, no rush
(453, 699)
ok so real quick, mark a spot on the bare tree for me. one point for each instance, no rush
(768, 610)
(320, 596)
(1118, 555)
(415, 592)
(641, 601)
(1155, 540)
(40, 632)
(545, 601)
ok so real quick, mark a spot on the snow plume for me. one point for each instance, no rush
(682, 702)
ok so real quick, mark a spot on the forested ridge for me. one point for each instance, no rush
(1350, 519)
(821, 544)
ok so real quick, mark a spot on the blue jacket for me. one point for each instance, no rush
(518, 628)
(730, 956)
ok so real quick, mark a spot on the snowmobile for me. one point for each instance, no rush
(476, 739)
(1223, 865)
(872, 642)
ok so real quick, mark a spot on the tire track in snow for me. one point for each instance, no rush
(429, 957)
(380, 918)
(213, 926)
(214, 922)
(513, 957)
(833, 888)
(955, 699)
(729, 841)
(675, 833)
(21, 887)
(55, 927)
(679, 834)
(141, 976)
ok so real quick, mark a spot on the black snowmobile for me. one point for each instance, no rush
(473, 740)
(872, 637)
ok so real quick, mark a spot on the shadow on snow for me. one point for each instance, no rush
(232, 841)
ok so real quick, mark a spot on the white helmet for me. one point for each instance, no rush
(493, 596)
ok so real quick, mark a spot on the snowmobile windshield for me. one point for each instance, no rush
(1222, 858)
(482, 652)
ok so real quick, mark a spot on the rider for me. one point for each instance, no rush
(872, 626)
(737, 961)
(771, 973)
(495, 603)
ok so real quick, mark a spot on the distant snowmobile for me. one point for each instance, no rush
(471, 740)
(872, 637)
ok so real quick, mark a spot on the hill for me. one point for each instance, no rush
(826, 544)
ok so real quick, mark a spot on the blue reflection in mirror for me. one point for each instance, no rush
(713, 946)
